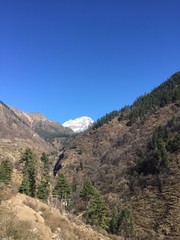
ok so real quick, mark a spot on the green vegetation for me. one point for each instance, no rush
(50, 135)
(43, 187)
(105, 119)
(156, 157)
(97, 211)
(88, 191)
(43, 190)
(5, 171)
(28, 185)
(174, 144)
(121, 222)
(96, 208)
(62, 188)
(168, 92)
(165, 140)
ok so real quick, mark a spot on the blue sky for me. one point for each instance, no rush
(70, 58)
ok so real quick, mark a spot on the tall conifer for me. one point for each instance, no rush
(28, 185)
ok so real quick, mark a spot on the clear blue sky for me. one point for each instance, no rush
(69, 58)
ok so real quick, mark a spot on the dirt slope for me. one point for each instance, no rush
(42, 221)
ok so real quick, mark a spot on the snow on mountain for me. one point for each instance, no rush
(79, 124)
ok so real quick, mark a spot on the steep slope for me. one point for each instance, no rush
(79, 124)
(22, 217)
(48, 129)
(113, 157)
(29, 130)
(16, 134)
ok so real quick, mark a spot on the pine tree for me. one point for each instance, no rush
(126, 223)
(97, 211)
(88, 191)
(5, 171)
(46, 170)
(43, 188)
(164, 161)
(28, 185)
(96, 208)
(43, 191)
(62, 188)
(25, 185)
(114, 222)
(121, 222)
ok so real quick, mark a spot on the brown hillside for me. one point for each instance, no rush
(108, 155)
(16, 134)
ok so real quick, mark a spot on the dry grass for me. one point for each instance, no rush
(32, 204)
(58, 224)
(35, 204)
(12, 228)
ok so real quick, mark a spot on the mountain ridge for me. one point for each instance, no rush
(16, 133)
(45, 128)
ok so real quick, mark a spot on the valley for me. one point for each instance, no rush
(118, 179)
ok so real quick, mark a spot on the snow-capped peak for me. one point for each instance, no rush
(79, 124)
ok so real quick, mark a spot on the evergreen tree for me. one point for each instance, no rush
(5, 171)
(105, 119)
(43, 188)
(97, 211)
(164, 161)
(126, 223)
(114, 222)
(156, 157)
(88, 191)
(174, 144)
(121, 222)
(43, 191)
(28, 185)
(62, 188)
(96, 208)
(25, 185)
(46, 170)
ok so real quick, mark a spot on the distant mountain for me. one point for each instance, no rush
(48, 129)
(16, 133)
(19, 130)
(79, 124)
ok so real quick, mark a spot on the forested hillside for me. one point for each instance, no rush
(168, 92)
(132, 158)
(121, 177)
